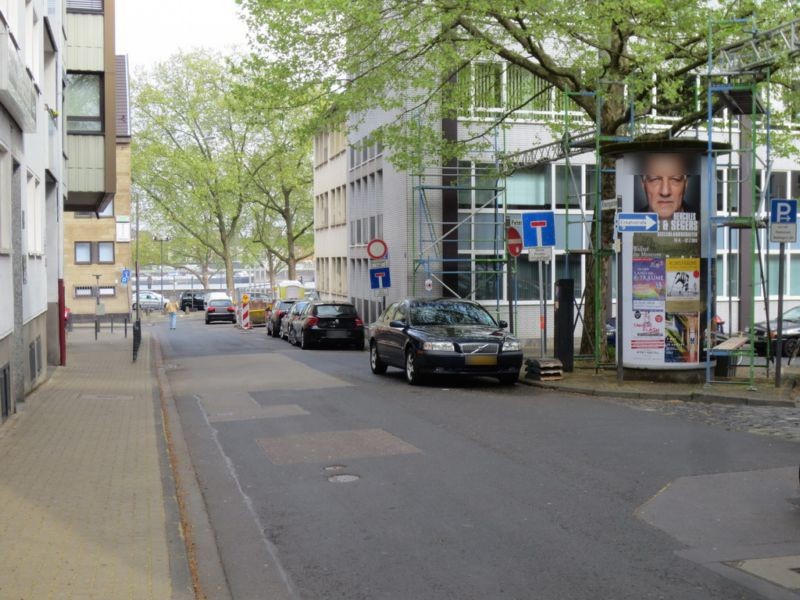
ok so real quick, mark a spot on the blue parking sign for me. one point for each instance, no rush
(126, 275)
(783, 220)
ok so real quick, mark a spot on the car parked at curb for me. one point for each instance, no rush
(193, 301)
(328, 323)
(279, 310)
(426, 336)
(790, 338)
(149, 301)
(290, 317)
(220, 309)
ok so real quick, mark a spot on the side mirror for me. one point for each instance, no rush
(502, 324)
(398, 324)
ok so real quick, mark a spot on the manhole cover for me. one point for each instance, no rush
(343, 478)
(333, 468)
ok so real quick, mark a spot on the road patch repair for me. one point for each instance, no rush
(327, 446)
(240, 406)
(741, 525)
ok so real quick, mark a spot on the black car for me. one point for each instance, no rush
(220, 309)
(279, 310)
(193, 301)
(443, 336)
(791, 333)
(334, 323)
(293, 314)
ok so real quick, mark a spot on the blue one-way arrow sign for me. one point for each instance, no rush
(637, 222)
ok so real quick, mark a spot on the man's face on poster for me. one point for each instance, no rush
(664, 182)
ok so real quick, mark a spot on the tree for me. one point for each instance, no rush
(193, 152)
(410, 56)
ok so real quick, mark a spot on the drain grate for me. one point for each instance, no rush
(343, 478)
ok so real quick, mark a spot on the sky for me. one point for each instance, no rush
(150, 31)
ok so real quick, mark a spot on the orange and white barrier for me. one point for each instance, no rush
(246, 311)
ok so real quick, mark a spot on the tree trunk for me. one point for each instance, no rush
(291, 262)
(598, 285)
(228, 259)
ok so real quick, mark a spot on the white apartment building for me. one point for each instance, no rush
(412, 213)
(57, 153)
(330, 214)
(32, 192)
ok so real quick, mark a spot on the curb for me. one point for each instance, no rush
(700, 397)
(207, 575)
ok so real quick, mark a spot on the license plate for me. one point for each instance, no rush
(480, 360)
(337, 334)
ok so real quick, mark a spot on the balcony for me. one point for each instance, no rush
(17, 92)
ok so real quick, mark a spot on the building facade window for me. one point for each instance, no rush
(83, 253)
(5, 202)
(84, 291)
(108, 291)
(84, 103)
(88, 6)
(105, 253)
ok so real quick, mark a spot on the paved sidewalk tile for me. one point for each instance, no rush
(80, 484)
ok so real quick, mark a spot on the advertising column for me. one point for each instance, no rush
(664, 271)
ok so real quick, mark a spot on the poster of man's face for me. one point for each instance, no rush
(667, 184)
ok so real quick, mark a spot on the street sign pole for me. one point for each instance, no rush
(542, 313)
(509, 288)
(779, 343)
(618, 348)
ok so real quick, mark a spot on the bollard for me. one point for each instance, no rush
(112, 323)
(96, 327)
(126, 327)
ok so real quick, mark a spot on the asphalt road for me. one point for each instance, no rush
(463, 489)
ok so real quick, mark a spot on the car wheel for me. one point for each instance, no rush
(412, 373)
(789, 347)
(207, 321)
(375, 363)
(508, 378)
(292, 337)
(133, 307)
(305, 343)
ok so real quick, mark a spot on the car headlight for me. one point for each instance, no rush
(439, 346)
(511, 346)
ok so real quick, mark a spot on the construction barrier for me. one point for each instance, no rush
(246, 311)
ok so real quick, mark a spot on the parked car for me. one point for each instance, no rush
(791, 333)
(221, 309)
(279, 310)
(426, 336)
(149, 301)
(328, 323)
(291, 316)
(209, 296)
(193, 301)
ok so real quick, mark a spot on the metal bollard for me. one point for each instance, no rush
(126, 326)
(96, 328)
(112, 323)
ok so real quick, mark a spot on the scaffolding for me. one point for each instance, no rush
(734, 75)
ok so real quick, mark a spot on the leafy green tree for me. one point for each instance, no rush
(193, 152)
(413, 57)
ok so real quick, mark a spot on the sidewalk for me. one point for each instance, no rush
(88, 506)
(584, 380)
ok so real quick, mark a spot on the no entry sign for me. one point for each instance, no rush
(514, 241)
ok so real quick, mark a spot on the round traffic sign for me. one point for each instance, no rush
(514, 241)
(377, 249)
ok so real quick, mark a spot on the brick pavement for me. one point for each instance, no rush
(82, 500)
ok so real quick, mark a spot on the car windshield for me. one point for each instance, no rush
(336, 310)
(793, 314)
(449, 313)
(218, 303)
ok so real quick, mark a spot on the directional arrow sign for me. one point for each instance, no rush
(637, 222)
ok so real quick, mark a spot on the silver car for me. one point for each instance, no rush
(149, 301)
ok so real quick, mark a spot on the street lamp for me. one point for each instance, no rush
(161, 239)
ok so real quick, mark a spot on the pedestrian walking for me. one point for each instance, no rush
(172, 311)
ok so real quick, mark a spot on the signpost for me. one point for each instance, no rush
(782, 230)
(539, 234)
(637, 222)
